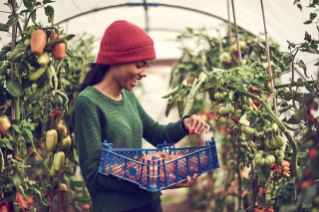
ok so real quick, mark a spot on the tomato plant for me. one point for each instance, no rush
(276, 150)
(36, 142)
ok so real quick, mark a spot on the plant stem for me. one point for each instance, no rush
(27, 22)
(283, 129)
(292, 68)
(236, 32)
(59, 40)
(268, 56)
(229, 25)
(293, 84)
(253, 199)
(239, 187)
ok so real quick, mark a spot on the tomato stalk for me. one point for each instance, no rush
(293, 84)
(59, 40)
(55, 29)
(27, 21)
(239, 186)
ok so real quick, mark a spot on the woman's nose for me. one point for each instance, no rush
(144, 72)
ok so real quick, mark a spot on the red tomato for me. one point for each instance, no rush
(191, 131)
(264, 192)
(58, 51)
(21, 201)
(311, 107)
(305, 184)
(86, 207)
(254, 90)
(235, 120)
(256, 102)
(273, 166)
(5, 207)
(312, 153)
(310, 118)
(38, 42)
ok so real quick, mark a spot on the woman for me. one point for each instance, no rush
(107, 109)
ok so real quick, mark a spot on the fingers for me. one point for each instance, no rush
(198, 124)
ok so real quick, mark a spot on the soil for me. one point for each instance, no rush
(177, 207)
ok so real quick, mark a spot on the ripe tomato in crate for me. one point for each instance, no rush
(157, 169)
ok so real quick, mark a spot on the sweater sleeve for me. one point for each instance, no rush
(86, 125)
(155, 133)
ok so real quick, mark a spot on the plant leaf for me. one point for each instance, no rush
(302, 65)
(13, 20)
(7, 143)
(34, 16)
(285, 193)
(78, 184)
(28, 3)
(299, 6)
(248, 78)
(247, 184)
(28, 136)
(82, 199)
(308, 22)
(259, 80)
(313, 16)
(49, 11)
(14, 88)
(4, 27)
(263, 173)
(47, 1)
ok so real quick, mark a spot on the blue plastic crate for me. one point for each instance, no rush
(156, 174)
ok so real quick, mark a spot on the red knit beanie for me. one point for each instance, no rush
(124, 42)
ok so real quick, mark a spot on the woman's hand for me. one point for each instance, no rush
(196, 123)
(186, 184)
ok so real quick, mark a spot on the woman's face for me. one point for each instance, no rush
(129, 75)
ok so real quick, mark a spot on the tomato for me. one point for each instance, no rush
(38, 42)
(191, 131)
(5, 124)
(64, 189)
(310, 118)
(269, 210)
(29, 150)
(86, 207)
(256, 102)
(163, 155)
(311, 107)
(264, 192)
(58, 50)
(235, 120)
(312, 153)
(51, 139)
(5, 207)
(254, 90)
(21, 201)
(305, 184)
(230, 132)
(273, 166)
(61, 129)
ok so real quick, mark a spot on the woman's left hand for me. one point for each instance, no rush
(185, 184)
(196, 123)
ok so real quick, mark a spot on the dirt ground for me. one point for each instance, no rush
(177, 207)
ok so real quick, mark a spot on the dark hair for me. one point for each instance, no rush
(95, 75)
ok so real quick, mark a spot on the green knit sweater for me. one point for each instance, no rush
(95, 118)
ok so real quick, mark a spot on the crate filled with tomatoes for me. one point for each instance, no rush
(157, 169)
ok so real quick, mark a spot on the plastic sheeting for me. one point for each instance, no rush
(168, 18)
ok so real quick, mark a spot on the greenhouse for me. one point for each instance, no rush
(176, 105)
